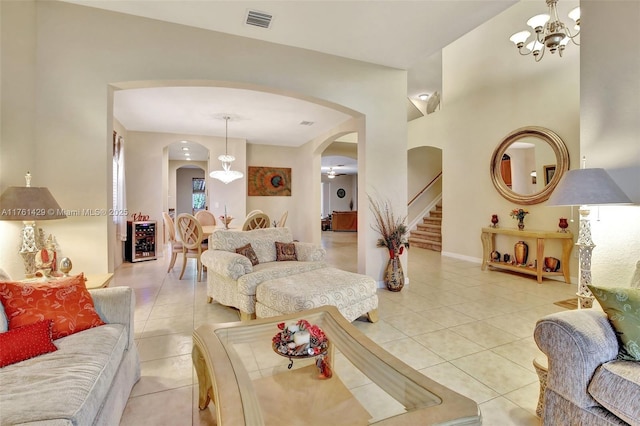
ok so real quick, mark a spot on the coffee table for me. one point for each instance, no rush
(250, 384)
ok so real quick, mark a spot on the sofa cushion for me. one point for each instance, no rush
(616, 386)
(26, 342)
(285, 252)
(66, 301)
(262, 241)
(70, 384)
(267, 271)
(248, 252)
(622, 305)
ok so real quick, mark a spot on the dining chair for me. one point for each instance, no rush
(283, 219)
(205, 217)
(252, 212)
(191, 234)
(256, 221)
(175, 246)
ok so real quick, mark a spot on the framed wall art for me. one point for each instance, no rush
(549, 171)
(269, 181)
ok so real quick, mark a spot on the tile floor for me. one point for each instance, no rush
(471, 330)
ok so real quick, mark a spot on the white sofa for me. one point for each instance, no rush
(231, 278)
(87, 381)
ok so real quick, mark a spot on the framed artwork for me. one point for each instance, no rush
(549, 171)
(269, 181)
(341, 193)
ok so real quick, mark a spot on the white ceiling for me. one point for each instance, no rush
(396, 33)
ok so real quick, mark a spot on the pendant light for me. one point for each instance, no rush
(226, 175)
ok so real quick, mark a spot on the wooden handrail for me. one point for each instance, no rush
(425, 188)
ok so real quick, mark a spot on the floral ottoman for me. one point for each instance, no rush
(353, 294)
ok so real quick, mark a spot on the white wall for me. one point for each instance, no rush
(482, 103)
(334, 203)
(184, 188)
(610, 130)
(70, 57)
(423, 165)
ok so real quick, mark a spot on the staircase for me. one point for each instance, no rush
(428, 234)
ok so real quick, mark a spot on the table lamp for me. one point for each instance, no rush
(584, 187)
(28, 204)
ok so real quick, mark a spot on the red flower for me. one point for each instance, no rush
(304, 324)
(281, 326)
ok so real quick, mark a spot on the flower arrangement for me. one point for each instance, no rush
(300, 339)
(391, 228)
(518, 214)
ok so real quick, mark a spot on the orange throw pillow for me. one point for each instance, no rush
(66, 302)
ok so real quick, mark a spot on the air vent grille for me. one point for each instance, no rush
(306, 123)
(258, 19)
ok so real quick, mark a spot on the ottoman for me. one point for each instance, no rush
(353, 294)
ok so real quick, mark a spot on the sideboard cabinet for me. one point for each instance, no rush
(488, 238)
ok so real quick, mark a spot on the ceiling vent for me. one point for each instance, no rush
(306, 123)
(258, 19)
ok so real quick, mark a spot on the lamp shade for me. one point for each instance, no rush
(587, 186)
(29, 203)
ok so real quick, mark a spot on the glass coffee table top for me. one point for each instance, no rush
(251, 384)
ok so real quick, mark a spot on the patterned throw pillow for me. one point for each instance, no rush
(66, 302)
(248, 252)
(622, 305)
(26, 342)
(285, 251)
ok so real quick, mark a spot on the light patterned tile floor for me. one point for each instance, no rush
(468, 329)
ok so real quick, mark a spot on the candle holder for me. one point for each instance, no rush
(302, 340)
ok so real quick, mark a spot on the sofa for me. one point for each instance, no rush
(232, 279)
(586, 383)
(86, 381)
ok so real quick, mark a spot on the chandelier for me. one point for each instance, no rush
(226, 175)
(550, 33)
(331, 174)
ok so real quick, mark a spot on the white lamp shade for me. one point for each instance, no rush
(226, 176)
(575, 14)
(535, 46)
(587, 186)
(564, 41)
(520, 37)
(538, 21)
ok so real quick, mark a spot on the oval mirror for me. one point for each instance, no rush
(528, 164)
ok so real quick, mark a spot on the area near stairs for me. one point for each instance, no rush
(428, 234)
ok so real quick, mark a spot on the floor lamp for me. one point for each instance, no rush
(584, 187)
(28, 204)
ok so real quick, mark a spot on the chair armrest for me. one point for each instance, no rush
(309, 252)
(226, 263)
(576, 343)
(116, 305)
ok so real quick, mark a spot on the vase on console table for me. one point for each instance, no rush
(521, 252)
(521, 223)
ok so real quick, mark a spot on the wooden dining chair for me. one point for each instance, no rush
(205, 217)
(175, 246)
(256, 221)
(252, 212)
(283, 219)
(191, 235)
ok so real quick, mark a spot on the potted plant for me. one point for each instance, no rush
(393, 236)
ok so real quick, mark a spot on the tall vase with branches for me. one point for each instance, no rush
(393, 236)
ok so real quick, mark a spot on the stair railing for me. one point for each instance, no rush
(423, 190)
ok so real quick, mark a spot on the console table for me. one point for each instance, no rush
(488, 238)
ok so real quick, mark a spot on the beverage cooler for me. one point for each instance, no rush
(141, 241)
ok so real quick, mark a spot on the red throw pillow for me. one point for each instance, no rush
(66, 302)
(26, 342)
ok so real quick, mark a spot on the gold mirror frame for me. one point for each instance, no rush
(562, 164)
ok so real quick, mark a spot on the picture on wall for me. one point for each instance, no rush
(549, 171)
(269, 181)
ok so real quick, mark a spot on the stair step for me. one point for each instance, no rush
(431, 236)
(435, 213)
(430, 245)
(432, 220)
(429, 227)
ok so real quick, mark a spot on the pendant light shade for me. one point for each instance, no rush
(226, 175)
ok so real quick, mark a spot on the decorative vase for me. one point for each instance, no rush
(494, 220)
(521, 252)
(521, 223)
(394, 275)
(563, 225)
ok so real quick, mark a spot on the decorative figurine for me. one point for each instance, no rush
(506, 257)
(495, 256)
(494, 220)
(65, 266)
